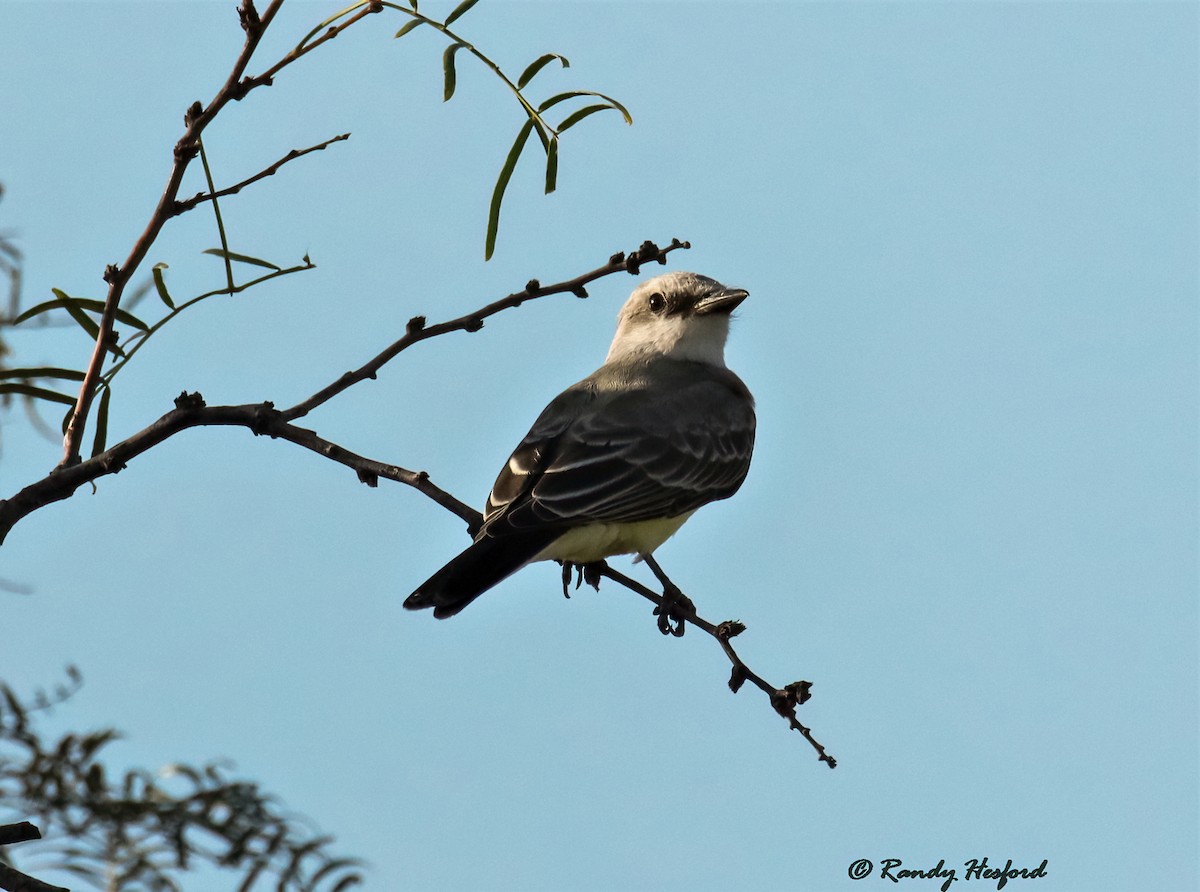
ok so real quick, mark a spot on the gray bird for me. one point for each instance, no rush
(619, 461)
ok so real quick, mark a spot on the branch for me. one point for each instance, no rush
(268, 76)
(196, 119)
(189, 203)
(261, 419)
(11, 879)
(21, 832)
(418, 330)
(783, 700)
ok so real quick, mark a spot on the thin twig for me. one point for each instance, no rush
(418, 330)
(783, 700)
(334, 30)
(189, 203)
(216, 206)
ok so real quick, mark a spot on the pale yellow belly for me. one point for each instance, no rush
(597, 541)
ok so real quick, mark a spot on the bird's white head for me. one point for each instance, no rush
(677, 315)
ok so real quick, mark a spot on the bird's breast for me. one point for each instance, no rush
(596, 541)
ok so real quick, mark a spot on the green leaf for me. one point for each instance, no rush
(72, 306)
(537, 65)
(459, 10)
(38, 393)
(242, 258)
(43, 372)
(510, 163)
(96, 306)
(101, 422)
(415, 23)
(571, 94)
(552, 166)
(576, 116)
(161, 284)
(448, 69)
(37, 311)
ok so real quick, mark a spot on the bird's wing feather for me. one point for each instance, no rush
(627, 454)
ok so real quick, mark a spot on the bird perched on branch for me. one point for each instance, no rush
(619, 461)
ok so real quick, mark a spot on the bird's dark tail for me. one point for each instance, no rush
(486, 563)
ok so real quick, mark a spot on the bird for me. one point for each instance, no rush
(619, 461)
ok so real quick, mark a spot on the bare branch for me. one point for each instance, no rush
(783, 700)
(261, 419)
(418, 330)
(20, 832)
(189, 203)
(11, 879)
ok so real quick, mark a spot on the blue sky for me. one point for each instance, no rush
(969, 233)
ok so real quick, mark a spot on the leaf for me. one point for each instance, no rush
(576, 116)
(571, 94)
(459, 10)
(76, 306)
(101, 422)
(242, 258)
(448, 70)
(506, 172)
(42, 372)
(537, 65)
(71, 304)
(161, 284)
(38, 393)
(552, 166)
(415, 23)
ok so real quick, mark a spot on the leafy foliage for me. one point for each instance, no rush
(143, 829)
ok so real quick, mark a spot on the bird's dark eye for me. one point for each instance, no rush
(657, 303)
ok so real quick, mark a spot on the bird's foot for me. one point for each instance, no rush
(676, 607)
(589, 573)
(674, 610)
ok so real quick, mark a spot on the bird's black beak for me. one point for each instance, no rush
(723, 301)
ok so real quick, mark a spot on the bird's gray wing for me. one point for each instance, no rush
(658, 447)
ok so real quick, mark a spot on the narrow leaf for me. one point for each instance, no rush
(571, 94)
(460, 10)
(537, 65)
(552, 166)
(77, 305)
(410, 26)
(510, 163)
(576, 116)
(37, 311)
(101, 422)
(161, 284)
(43, 372)
(38, 393)
(242, 258)
(71, 305)
(448, 70)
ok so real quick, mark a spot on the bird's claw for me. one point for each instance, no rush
(675, 606)
(589, 573)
